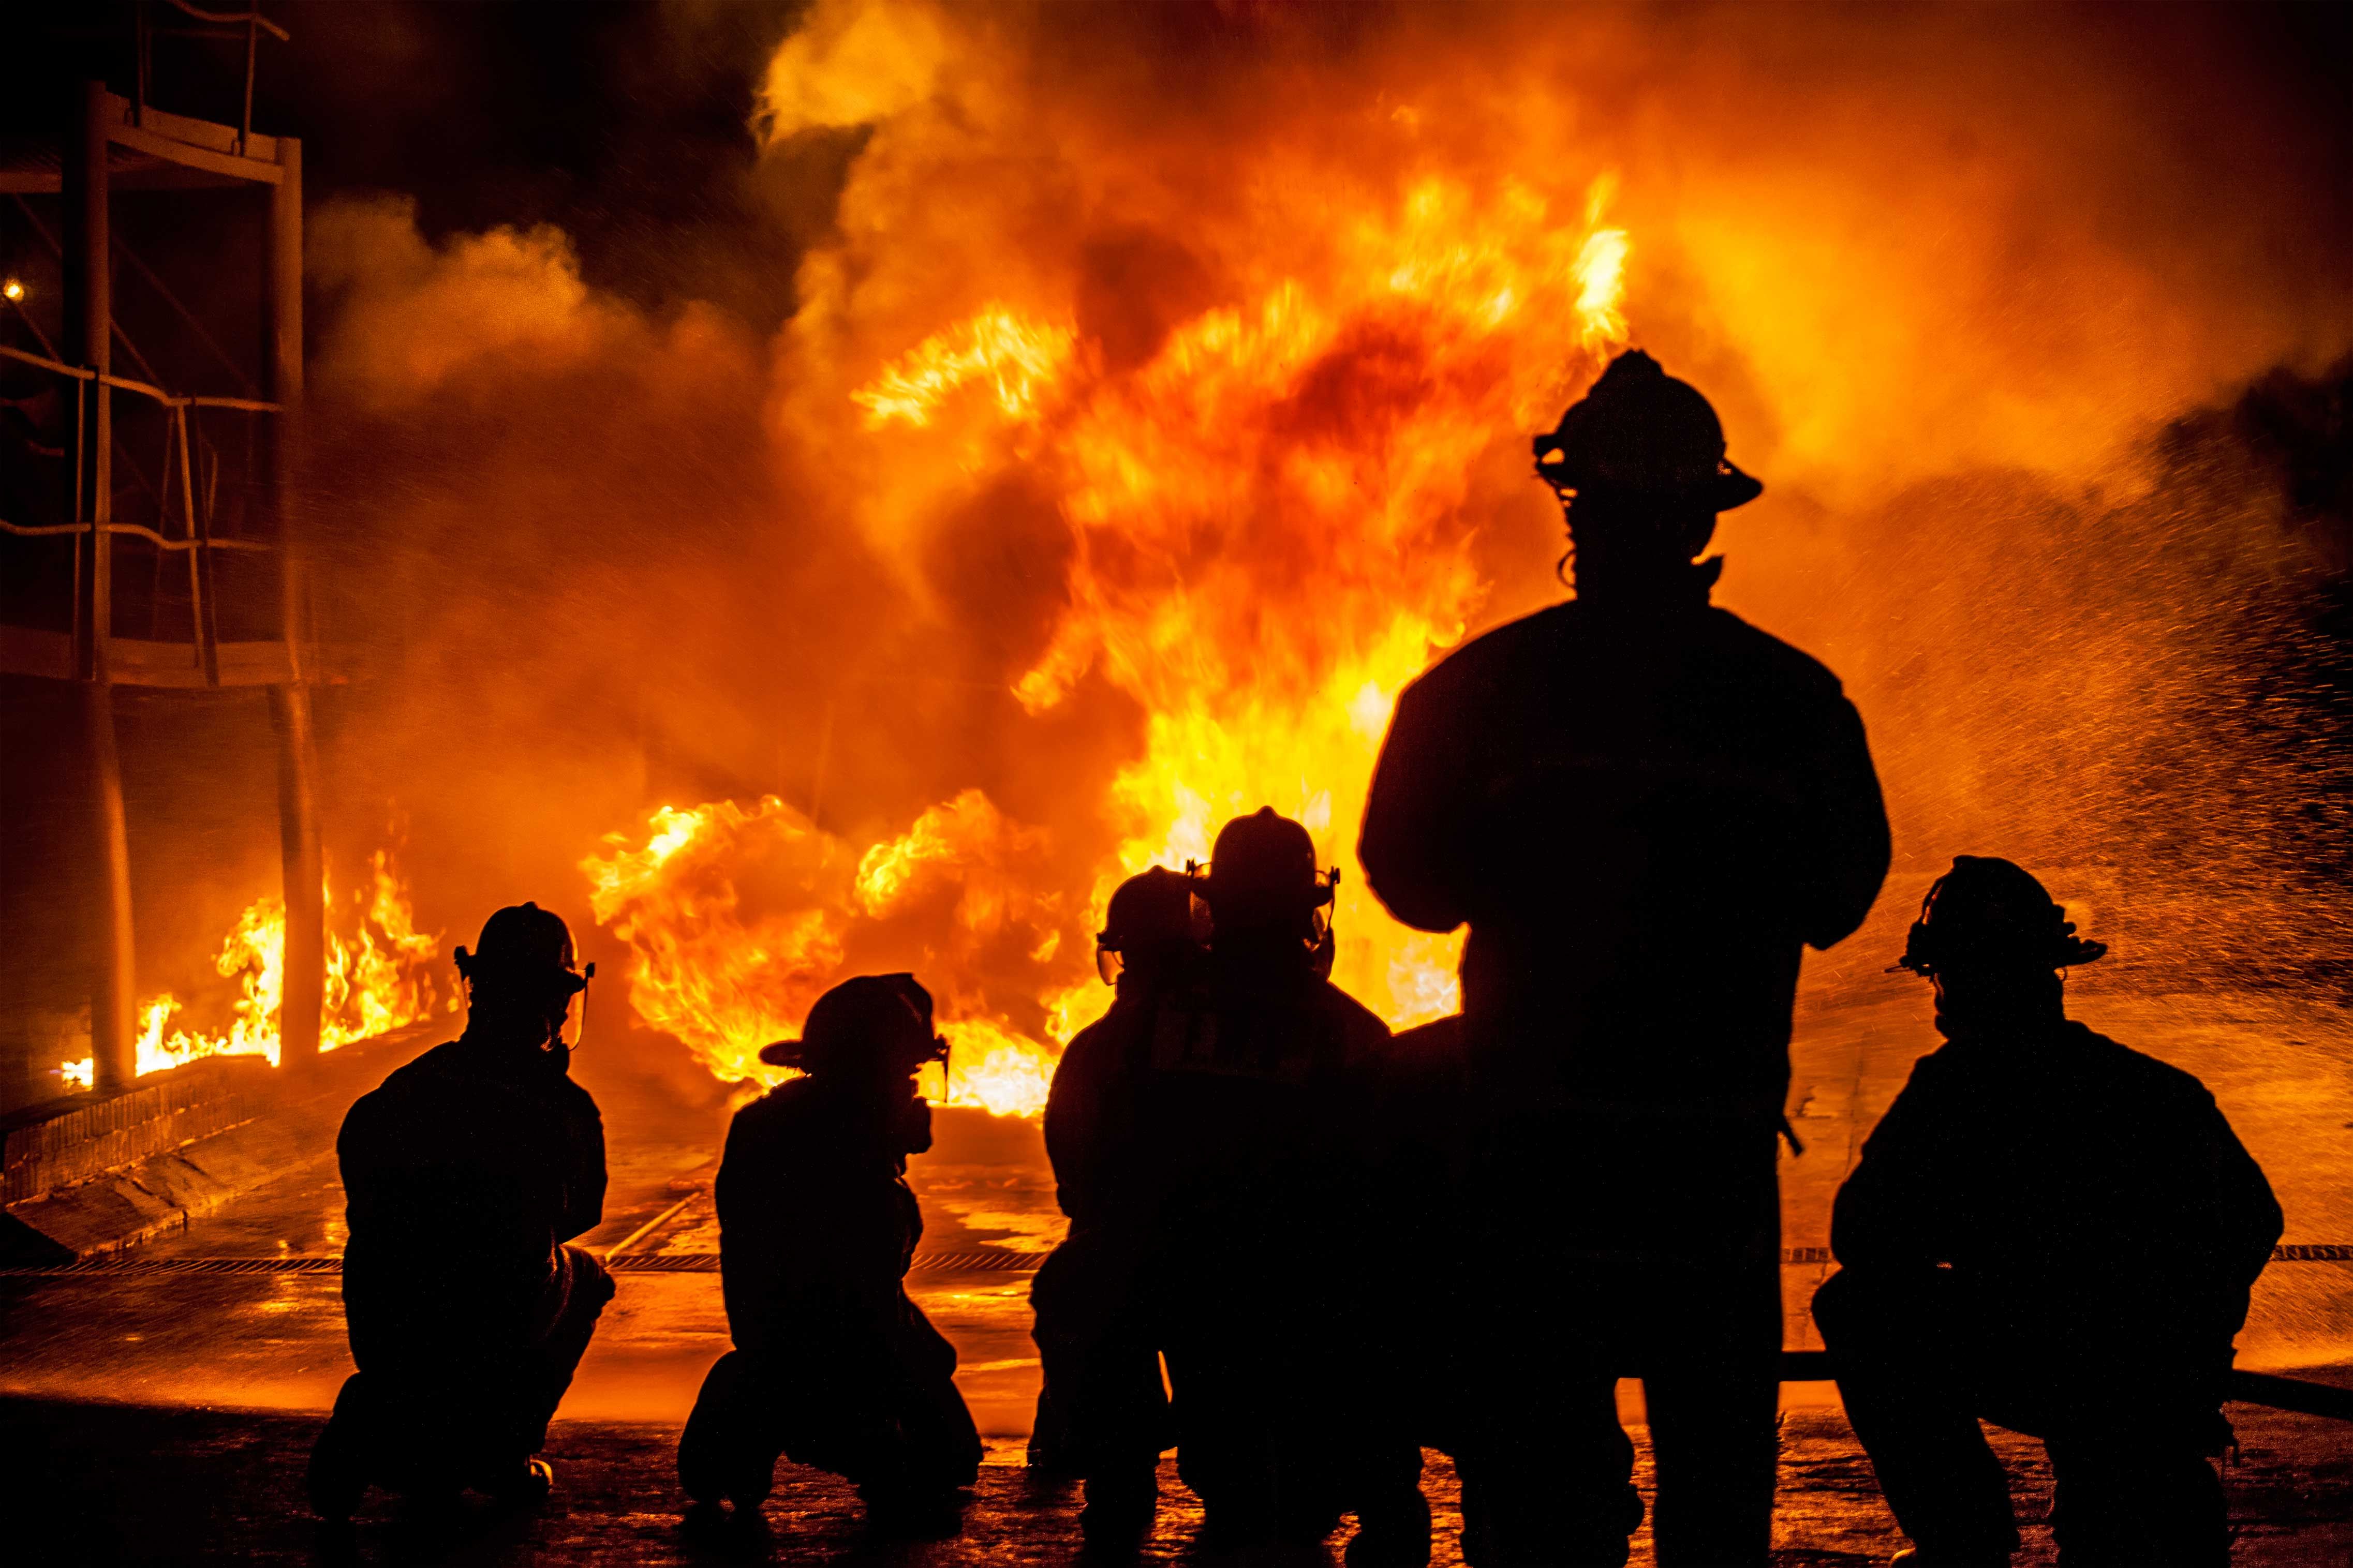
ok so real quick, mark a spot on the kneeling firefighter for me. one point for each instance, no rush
(834, 1365)
(2051, 1232)
(467, 1172)
(1223, 1148)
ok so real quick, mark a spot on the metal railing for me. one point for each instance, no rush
(246, 25)
(197, 541)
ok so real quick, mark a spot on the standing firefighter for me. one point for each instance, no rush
(834, 1365)
(1103, 1413)
(2053, 1233)
(467, 1172)
(1644, 808)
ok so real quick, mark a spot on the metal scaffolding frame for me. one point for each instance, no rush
(127, 144)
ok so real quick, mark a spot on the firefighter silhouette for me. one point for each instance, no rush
(1218, 1115)
(2053, 1233)
(1102, 1413)
(834, 1365)
(1644, 809)
(467, 1172)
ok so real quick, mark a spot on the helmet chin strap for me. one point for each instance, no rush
(556, 1046)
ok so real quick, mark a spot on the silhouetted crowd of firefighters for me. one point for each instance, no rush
(1643, 809)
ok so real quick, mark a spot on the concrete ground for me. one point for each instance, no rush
(160, 1413)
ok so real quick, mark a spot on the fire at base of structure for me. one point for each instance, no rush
(379, 977)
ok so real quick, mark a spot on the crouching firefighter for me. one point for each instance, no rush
(1103, 1413)
(1220, 1147)
(467, 1172)
(2049, 1232)
(834, 1366)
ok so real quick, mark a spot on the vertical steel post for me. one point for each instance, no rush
(303, 874)
(89, 306)
(113, 1005)
(89, 313)
(290, 704)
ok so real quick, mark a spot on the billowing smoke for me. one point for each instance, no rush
(1153, 401)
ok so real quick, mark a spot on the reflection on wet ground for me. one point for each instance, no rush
(2279, 1069)
(275, 1340)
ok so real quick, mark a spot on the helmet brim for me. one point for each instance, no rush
(1733, 488)
(1727, 488)
(795, 1054)
(1239, 892)
(477, 968)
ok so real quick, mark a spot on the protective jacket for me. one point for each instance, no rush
(1643, 813)
(465, 1170)
(1211, 1151)
(835, 1365)
(1079, 1099)
(817, 1223)
(2093, 1201)
(1237, 1099)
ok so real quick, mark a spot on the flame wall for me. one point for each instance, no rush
(1154, 404)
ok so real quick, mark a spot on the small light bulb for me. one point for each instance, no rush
(12, 289)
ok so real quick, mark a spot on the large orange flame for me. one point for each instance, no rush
(738, 918)
(379, 978)
(1018, 359)
(1265, 550)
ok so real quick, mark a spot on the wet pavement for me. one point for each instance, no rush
(164, 1409)
(87, 1483)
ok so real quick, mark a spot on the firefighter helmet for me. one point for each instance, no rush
(523, 947)
(1988, 911)
(880, 1015)
(1155, 909)
(1642, 433)
(1264, 864)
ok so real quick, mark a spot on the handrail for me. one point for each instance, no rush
(125, 383)
(199, 544)
(145, 389)
(52, 529)
(224, 17)
(154, 538)
(57, 365)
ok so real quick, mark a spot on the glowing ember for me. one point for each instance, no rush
(379, 977)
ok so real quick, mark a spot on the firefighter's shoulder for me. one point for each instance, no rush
(780, 1108)
(2136, 1076)
(1360, 1027)
(1766, 659)
(1496, 655)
